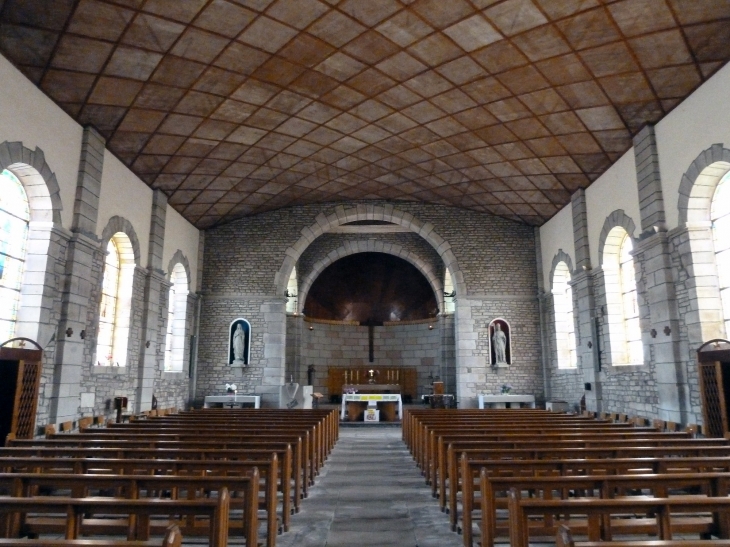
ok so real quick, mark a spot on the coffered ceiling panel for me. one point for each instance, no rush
(235, 107)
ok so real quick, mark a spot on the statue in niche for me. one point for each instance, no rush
(239, 346)
(500, 354)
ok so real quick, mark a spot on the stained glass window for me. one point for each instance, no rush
(720, 216)
(292, 299)
(564, 320)
(108, 309)
(14, 218)
(176, 320)
(634, 346)
(449, 293)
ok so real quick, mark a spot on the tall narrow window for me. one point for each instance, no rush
(176, 320)
(14, 219)
(564, 321)
(449, 293)
(116, 302)
(720, 216)
(627, 275)
(292, 300)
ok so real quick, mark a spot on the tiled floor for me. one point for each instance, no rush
(370, 493)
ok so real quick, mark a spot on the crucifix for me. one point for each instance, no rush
(371, 338)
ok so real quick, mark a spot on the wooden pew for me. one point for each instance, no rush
(564, 538)
(601, 516)
(79, 509)
(24, 485)
(600, 486)
(172, 538)
(298, 465)
(262, 458)
(81, 471)
(456, 468)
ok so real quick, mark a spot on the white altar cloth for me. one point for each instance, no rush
(235, 400)
(367, 397)
(500, 401)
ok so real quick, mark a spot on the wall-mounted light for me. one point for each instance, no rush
(430, 327)
(311, 328)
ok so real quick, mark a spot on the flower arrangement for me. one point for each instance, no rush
(506, 388)
(231, 388)
(350, 391)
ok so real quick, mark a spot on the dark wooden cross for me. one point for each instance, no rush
(371, 324)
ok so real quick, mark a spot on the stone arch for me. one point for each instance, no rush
(388, 213)
(369, 246)
(121, 224)
(560, 256)
(179, 258)
(41, 186)
(698, 184)
(609, 242)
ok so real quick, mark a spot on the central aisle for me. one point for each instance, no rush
(370, 493)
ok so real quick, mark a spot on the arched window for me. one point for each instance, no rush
(14, 218)
(564, 323)
(720, 217)
(116, 302)
(449, 293)
(622, 306)
(627, 276)
(292, 300)
(176, 320)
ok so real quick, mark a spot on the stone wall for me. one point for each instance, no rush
(491, 259)
(341, 345)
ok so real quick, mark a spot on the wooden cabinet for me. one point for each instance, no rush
(405, 377)
(20, 370)
(713, 359)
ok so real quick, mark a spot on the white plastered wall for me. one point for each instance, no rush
(26, 115)
(124, 195)
(556, 234)
(180, 234)
(702, 120)
(616, 189)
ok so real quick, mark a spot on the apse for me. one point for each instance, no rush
(371, 288)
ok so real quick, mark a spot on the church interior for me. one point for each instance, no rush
(297, 204)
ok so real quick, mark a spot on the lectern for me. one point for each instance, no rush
(20, 370)
(713, 360)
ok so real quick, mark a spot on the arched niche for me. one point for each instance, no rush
(500, 334)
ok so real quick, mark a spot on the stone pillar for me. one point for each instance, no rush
(584, 303)
(655, 276)
(155, 281)
(651, 201)
(274, 314)
(470, 367)
(541, 301)
(75, 296)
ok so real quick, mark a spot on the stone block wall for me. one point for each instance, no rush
(492, 260)
(341, 345)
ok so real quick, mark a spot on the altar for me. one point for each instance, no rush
(505, 401)
(371, 388)
(356, 403)
(217, 401)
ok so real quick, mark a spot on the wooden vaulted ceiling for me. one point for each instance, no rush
(234, 107)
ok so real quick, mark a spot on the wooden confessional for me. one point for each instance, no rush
(713, 359)
(20, 371)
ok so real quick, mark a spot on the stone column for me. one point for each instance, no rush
(155, 279)
(584, 303)
(655, 277)
(76, 292)
(541, 298)
(470, 367)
